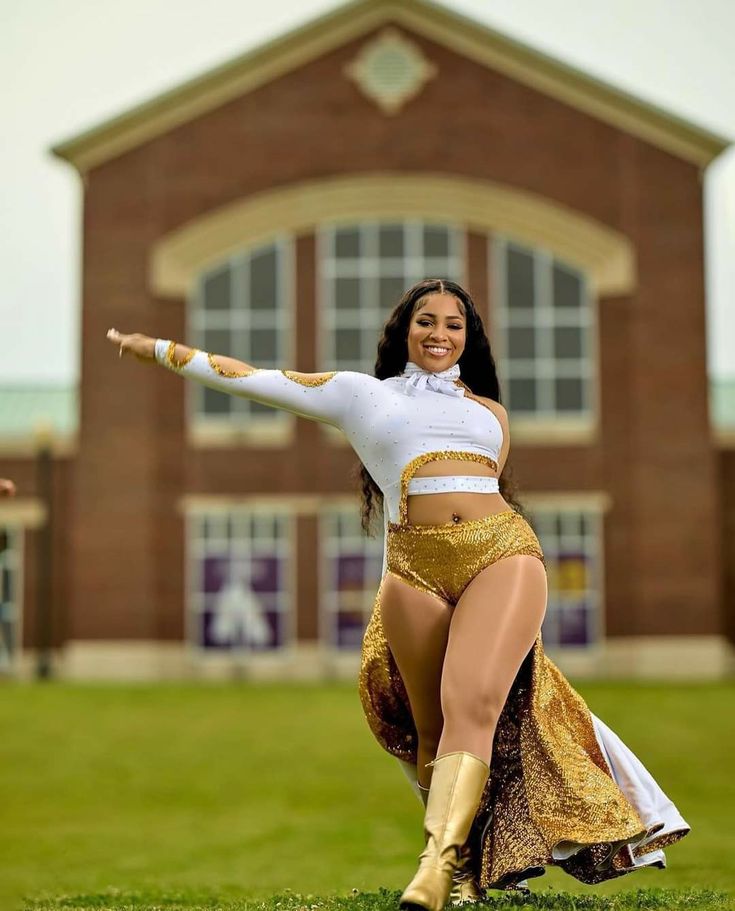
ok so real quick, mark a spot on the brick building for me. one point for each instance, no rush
(275, 209)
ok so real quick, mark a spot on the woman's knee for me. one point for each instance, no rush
(480, 709)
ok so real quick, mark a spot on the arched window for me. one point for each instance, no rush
(241, 307)
(544, 330)
(364, 268)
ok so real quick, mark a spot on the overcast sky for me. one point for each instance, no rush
(68, 65)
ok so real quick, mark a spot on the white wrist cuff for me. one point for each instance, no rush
(161, 348)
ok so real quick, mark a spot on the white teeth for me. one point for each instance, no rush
(436, 350)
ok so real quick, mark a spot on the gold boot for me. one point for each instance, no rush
(457, 784)
(465, 888)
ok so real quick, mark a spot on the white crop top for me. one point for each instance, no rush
(394, 425)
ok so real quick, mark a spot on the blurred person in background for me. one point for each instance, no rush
(514, 771)
(7, 488)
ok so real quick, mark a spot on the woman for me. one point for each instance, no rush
(514, 771)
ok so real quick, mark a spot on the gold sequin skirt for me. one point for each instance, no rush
(551, 798)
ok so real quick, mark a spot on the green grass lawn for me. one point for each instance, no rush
(276, 798)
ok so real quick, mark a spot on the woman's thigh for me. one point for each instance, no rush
(416, 626)
(493, 627)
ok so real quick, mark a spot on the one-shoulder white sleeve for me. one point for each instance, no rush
(325, 397)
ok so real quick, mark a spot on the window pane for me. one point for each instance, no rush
(567, 287)
(568, 341)
(347, 243)
(521, 342)
(573, 625)
(350, 628)
(520, 279)
(217, 293)
(263, 346)
(265, 574)
(215, 402)
(522, 395)
(263, 272)
(568, 394)
(391, 290)
(348, 344)
(390, 240)
(350, 571)
(574, 572)
(347, 293)
(436, 241)
(218, 341)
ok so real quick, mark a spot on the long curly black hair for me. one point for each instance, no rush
(477, 367)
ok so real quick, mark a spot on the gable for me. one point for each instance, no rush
(348, 22)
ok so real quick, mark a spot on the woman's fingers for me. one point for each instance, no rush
(140, 345)
(117, 338)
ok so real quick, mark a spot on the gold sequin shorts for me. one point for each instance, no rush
(550, 787)
(443, 559)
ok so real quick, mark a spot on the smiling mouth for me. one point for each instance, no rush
(437, 350)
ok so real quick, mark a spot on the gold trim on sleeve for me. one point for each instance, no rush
(171, 360)
(309, 379)
(229, 373)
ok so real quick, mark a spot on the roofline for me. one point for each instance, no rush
(317, 36)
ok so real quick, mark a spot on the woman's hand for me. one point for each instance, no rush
(142, 346)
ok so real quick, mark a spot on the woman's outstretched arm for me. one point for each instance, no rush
(324, 397)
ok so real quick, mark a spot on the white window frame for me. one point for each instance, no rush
(242, 426)
(544, 369)
(368, 268)
(195, 550)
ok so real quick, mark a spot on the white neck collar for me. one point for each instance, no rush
(416, 379)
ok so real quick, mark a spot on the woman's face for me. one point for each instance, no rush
(437, 332)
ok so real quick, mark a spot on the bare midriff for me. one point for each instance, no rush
(462, 506)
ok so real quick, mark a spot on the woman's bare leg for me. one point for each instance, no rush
(416, 626)
(493, 627)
